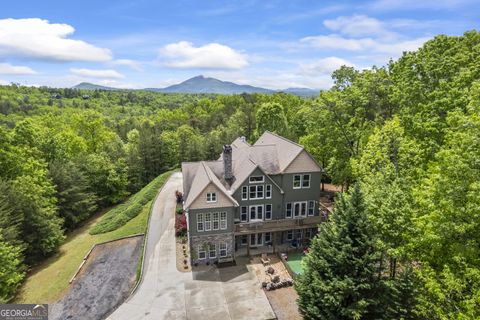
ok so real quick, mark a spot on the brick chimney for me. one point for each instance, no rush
(227, 162)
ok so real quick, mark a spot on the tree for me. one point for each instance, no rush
(271, 116)
(340, 279)
(75, 200)
(12, 271)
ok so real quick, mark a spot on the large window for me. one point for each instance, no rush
(223, 220)
(200, 222)
(211, 197)
(288, 210)
(268, 212)
(257, 179)
(268, 191)
(243, 214)
(299, 209)
(212, 250)
(208, 221)
(256, 192)
(256, 212)
(202, 254)
(222, 249)
(216, 221)
(311, 208)
(301, 181)
(290, 235)
(268, 237)
(244, 193)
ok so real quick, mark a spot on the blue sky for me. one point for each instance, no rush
(273, 44)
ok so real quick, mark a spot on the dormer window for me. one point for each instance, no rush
(211, 197)
(257, 179)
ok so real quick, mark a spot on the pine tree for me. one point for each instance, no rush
(341, 278)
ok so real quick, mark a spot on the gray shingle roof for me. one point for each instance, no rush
(271, 153)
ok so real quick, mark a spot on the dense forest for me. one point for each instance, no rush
(407, 136)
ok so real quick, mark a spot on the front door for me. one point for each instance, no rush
(256, 240)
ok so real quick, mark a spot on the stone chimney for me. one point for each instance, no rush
(227, 162)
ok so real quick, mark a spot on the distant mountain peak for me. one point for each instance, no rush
(202, 84)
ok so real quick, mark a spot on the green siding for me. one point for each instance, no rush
(192, 220)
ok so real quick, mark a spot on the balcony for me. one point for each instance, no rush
(278, 225)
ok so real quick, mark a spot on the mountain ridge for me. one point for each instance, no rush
(201, 84)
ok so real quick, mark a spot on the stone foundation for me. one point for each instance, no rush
(205, 240)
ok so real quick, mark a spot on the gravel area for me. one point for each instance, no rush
(104, 282)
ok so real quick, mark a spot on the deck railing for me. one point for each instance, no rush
(279, 225)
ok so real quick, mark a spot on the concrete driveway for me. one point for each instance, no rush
(166, 293)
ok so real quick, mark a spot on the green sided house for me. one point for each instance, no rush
(254, 197)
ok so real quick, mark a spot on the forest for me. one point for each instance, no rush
(405, 138)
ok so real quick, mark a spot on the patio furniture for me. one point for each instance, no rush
(265, 259)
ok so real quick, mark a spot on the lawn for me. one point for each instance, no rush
(48, 281)
(294, 261)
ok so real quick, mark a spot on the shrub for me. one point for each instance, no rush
(181, 225)
(128, 210)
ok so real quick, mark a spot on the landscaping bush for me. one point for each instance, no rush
(128, 210)
(181, 225)
(179, 210)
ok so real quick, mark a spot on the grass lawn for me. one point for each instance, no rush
(47, 282)
(294, 259)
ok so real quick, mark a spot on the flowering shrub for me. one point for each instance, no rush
(180, 225)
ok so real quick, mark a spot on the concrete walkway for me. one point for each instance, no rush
(166, 293)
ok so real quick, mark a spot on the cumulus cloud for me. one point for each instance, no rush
(323, 66)
(39, 39)
(6, 68)
(90, 73)
(358, 25)
(184, 54)
(362, 34)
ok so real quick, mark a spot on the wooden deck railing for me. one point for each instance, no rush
(278, 225)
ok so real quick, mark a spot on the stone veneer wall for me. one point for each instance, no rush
(195, 241)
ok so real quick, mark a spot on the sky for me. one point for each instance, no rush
(272, 44)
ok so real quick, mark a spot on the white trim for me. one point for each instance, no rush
(255, 187)
(309, 180)
(271, 211)
(212, 196)
(208, 222)
(256, 207)
(299, 181)
(214, 250)
(220, 249)
(286, 210)
(200, 220)
(245, 192)
(311, 207)
(217, 220)
(246, 213)
(302, 176)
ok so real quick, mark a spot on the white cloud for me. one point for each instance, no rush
(334, 41)
(395, 5)
(40, 39)
(105, 73)
(4, 83)
(210, 56)
(323, 66)
(358, 25)
(6, 68)
(135, 65)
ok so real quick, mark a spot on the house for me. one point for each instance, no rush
(258, 196)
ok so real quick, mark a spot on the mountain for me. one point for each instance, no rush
(91, 86)
(201, 84)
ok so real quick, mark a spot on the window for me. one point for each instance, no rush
(297, 181)
(212, 250)
(257, 179)
(288, 210)
(308, 233)
(216, 221)
(311, 208)
(256, 192)
(268, 212)
(268, 237)
(243, 214)
(208, 221)
(244, 240)
(268, 191)
(200, 222)
(211, 197)
(256, 212)
(223, 249)
(298, 234)
(299, 209)
(202, 254)
(244, 193)
(290, 235)
(306, 181)
(223, 220)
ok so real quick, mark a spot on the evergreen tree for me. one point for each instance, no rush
(341, 278)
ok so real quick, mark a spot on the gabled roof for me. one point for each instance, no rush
(199, 176)
(287, 150)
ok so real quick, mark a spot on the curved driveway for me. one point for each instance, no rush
(166, 293)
